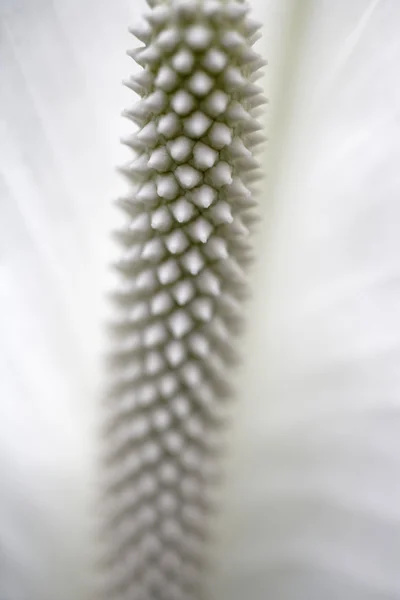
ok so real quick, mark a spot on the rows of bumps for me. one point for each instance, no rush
(185, 251)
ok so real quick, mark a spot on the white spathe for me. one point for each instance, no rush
(313, 508)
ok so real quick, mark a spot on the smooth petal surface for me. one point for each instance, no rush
(61, 66)
(313, 506)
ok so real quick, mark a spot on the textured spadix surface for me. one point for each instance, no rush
(185, 247)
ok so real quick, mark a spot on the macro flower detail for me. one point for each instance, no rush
(185, 250)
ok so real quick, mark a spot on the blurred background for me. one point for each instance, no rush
(312, 500)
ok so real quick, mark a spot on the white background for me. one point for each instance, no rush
(312, 504)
